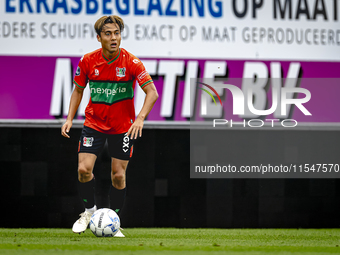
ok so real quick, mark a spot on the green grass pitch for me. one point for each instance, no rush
(172, 241)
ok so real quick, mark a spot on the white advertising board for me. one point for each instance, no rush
(214, 29)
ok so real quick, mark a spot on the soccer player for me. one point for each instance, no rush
(111, 72)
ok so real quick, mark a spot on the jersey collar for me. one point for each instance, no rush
(110, 61)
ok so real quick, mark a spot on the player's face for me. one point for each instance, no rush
(110, 39)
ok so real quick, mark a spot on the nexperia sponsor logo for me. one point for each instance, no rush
(107, 91)
(110, 92)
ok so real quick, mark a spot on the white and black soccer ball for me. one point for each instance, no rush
(104, 223)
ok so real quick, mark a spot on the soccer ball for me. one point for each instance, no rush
(104, 223)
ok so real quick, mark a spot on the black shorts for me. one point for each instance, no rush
(93, 141)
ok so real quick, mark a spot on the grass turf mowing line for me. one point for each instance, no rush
(171, 241)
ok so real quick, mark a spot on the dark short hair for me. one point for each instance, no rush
(113, 19)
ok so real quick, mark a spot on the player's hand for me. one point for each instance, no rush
(66, 128)
(136, 129)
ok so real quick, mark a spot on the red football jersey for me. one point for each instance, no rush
(112, 82)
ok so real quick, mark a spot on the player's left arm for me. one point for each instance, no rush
(150, 99)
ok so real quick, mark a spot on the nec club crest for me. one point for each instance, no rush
(88, 141)
(120, 72)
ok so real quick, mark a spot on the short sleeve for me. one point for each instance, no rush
(80, 77)
(142, 75)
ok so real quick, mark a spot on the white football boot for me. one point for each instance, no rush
(81, 224)
(119, 233)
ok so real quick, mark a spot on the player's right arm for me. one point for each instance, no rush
(80, 81)
(76, 97)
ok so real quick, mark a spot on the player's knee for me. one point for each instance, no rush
(119, 177)
(118, 180)
(84, 175)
